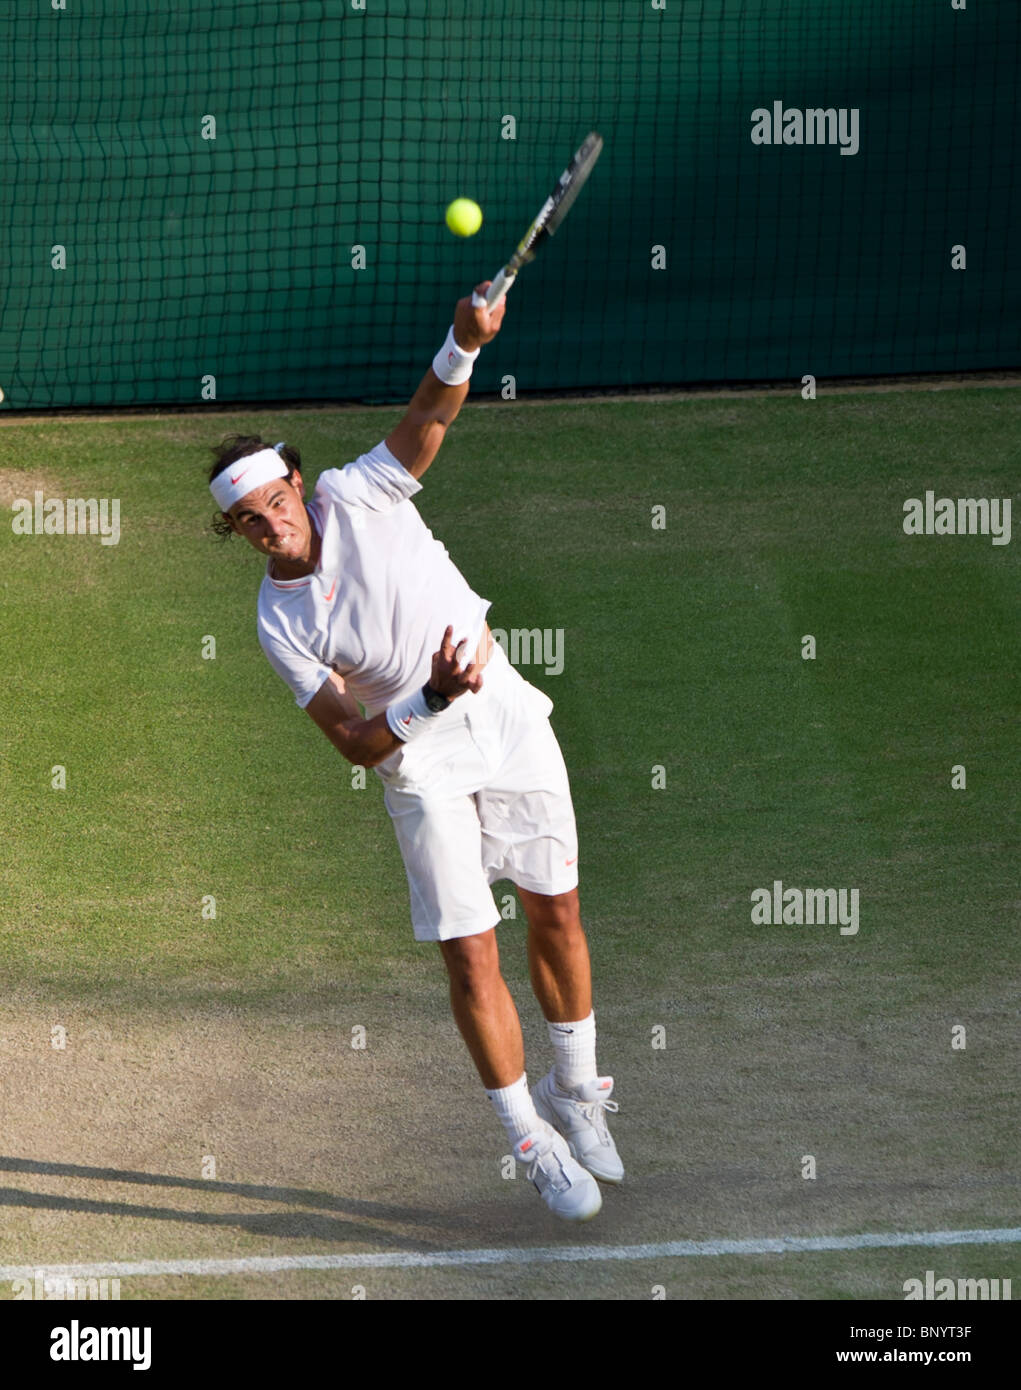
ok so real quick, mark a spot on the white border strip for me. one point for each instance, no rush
(416, 1259)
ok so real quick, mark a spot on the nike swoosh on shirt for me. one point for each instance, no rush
(329, 596)
(569, 862)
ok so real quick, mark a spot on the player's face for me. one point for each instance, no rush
(274, 521)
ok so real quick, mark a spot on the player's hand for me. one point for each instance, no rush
(450, 678)
(474, 324)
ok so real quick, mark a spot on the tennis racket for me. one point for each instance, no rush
(551, 214)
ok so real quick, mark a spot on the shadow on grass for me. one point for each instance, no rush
(349, 1222)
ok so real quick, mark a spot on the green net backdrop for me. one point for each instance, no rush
(193, 266)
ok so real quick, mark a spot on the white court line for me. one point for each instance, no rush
(568, 1254)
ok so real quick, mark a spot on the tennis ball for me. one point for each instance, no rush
(464, 217)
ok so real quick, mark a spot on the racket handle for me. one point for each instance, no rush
(499, 287)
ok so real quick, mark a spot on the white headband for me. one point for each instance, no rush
(250, 472)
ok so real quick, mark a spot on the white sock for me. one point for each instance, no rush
(574, 1046)
(516, 1109)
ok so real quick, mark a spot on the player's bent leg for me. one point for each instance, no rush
(572, 1098)
(558, 957)
(488, 1021)
(483, 1008)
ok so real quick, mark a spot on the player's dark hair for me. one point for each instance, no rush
(237, 446)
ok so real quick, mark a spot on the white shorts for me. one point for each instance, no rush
(482, 796)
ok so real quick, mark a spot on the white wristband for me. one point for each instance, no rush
(409, 717)
(452, 364)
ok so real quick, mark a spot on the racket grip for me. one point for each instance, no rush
(501, 284)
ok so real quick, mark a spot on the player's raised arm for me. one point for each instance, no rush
(443, 389)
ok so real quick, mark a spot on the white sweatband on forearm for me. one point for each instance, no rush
(409, 717)
(452, 364)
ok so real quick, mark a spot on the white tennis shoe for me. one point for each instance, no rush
(580, 1116)
(564, 1185)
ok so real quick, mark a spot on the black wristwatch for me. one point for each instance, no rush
(435, 702)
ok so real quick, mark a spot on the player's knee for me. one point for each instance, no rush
(473, 963)
(559, 913)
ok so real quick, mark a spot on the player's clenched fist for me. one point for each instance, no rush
(448, 677)
(474, 324)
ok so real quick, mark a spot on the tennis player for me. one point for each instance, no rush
(362, 606)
